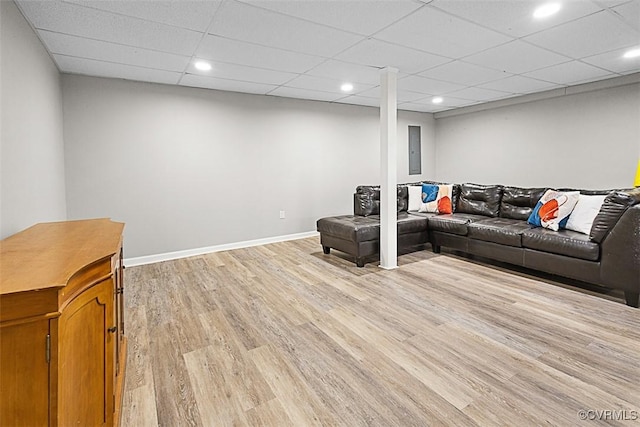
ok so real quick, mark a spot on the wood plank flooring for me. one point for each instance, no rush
(283, 335)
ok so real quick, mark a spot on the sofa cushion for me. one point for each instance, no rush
(453, 223)
(614, 205)
(563, 242)
(366, 200)
(518, 203)
(505, 231)
(360, 229)
(411, 223)
(351, 227)
(480, 199)
(365, 205)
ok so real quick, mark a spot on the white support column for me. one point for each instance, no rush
(388, 169)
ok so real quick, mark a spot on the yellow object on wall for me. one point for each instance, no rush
(636, 183)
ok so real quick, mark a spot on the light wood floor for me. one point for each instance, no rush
(283, 335)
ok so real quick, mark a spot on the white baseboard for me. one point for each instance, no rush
(150, 259)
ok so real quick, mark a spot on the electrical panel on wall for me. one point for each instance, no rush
(415, 157)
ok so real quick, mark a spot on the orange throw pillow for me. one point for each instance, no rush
(444, 205)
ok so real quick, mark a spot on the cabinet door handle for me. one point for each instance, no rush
(112, 329)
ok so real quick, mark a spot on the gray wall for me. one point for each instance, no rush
(32, 187)
(586, 140)
(188, 168)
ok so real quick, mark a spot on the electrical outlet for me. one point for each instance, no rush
(281, 214)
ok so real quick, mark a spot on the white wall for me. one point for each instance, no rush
(32, 185)
(187, 168)
(587, 140)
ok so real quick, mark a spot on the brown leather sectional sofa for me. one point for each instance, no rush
(491, 221)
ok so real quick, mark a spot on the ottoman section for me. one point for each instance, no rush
(359, 236)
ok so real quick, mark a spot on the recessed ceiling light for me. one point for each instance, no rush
(202, 65)
(346, 87)
(546, 9)
(437, 100)
(633, 53)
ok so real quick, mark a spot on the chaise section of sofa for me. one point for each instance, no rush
(359, 235)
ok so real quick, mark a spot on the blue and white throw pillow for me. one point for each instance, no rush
(553, 209)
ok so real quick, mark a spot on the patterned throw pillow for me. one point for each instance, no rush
(445, 192)
(553, 209)
(439, 200)
(429, 193)
(429, 196)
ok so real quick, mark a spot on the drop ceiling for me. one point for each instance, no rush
(466, 51)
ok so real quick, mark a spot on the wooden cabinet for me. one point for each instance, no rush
(62, 345)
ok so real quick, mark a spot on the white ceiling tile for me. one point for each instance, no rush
(450, 101)
(427, 86)
(591, 35)
(402, 95)
(251, 24)
(422, 108)
(243, 53)
(434, 31)
(325, 85)
(194, 15)
(347, 72)
(193, 80)
(611, 3)
(100, 25)
(519, 84)
(479, 94)
(90, 67)
(360, 100)
(290, 92)
(80, 47)
(615, 61)
(242, 72)
(569, 73)
(348, 15)
(516, 57)
(376, 53)
(447, 101)
(514, 18)
(464, 73)
(630, 13)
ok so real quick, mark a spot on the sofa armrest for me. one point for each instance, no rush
(620, 253)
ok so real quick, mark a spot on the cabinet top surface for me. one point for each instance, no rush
(47, 255)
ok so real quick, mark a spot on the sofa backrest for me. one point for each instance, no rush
(366, 200)
(480, 199)
(518, 203)
(613, 207)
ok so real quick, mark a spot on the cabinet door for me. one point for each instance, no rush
(86, 358)
(119, 307)
(24, 374)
